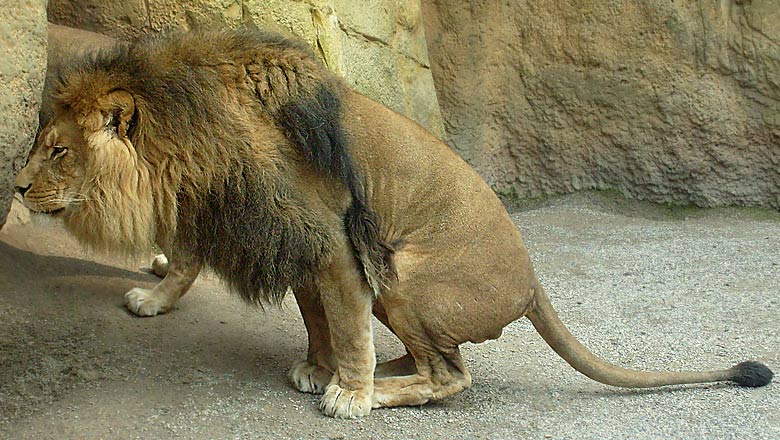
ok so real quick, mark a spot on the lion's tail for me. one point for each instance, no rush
(545, 319)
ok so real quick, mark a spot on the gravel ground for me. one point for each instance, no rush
(643, 286)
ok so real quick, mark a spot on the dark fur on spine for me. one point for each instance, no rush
(314, 125)
(309, 113)
(240, 217)
(311, 118)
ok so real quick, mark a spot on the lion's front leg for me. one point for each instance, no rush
(181, 272)
(347, 300)
(315, 373)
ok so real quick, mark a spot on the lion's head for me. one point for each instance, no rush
(85, 170)
(54, 175)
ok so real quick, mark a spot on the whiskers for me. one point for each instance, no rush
(68, 200)
(54, 202)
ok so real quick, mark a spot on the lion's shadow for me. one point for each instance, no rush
(61, 286)
(21, 261)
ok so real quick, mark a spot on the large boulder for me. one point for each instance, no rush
(23, 55)
(675, 102)
(378, 46)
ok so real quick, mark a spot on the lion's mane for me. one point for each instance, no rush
(187, 173)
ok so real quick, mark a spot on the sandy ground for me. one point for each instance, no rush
(643, 286)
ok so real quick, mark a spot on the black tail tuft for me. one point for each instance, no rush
(751, 374)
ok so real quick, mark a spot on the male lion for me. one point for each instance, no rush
(237, 150)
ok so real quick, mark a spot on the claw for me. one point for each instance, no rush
(142, 302)
(336, 404)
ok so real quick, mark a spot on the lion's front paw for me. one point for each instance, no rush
(345, 404)
(309, 378)
(143, 302)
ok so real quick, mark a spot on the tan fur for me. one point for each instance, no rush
(225, 177)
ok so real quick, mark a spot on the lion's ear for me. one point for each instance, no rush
(114, 110)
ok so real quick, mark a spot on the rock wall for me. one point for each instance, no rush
(22, 66)
(378, 46)
(675, 102)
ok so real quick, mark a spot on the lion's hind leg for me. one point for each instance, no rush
(402, 366)
(431, 370)
(438, 376)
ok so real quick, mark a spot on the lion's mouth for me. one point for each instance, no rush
(55, 212)
(39, 208)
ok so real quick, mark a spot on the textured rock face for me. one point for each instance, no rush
(667, 101)
(378, 46)
(22, 66)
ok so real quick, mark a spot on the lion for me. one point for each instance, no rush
(239, 151)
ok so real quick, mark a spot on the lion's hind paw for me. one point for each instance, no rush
(160, 265)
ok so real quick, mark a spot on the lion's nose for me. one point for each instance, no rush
(22, 189)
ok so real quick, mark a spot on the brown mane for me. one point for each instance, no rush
(204, 157)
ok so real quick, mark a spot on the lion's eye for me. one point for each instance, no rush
(58, 151)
